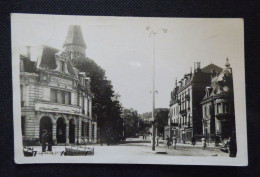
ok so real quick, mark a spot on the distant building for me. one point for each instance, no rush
(55, 96)
(185, 108)
(218, 118)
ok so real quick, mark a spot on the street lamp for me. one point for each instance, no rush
(152, 120)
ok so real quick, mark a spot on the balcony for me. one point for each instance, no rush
(224, 116)
(187, 97)
(183, 112)
(57, 108)
(175, 124)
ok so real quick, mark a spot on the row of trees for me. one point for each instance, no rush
(139, 124)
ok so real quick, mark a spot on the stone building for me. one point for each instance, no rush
(185, 108)
(218, 119)
(55, 96)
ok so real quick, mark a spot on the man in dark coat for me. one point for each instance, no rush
(50, 141)
(44, 140)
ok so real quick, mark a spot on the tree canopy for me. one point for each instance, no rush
(106, 105)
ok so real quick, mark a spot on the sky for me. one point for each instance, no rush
(123, 47)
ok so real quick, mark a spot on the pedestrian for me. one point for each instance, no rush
(232, 147)
(50, 143)
(193, 141)
(44, 140)
(168, 141)
(157, 140)
(203, 141)
(174, 141)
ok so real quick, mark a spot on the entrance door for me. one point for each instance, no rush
(61, 130)
(45, 124)
(72, 131)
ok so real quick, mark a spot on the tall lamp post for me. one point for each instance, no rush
(153, 34)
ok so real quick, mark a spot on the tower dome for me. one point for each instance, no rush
(74, 43)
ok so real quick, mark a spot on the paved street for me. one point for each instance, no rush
(144, 149)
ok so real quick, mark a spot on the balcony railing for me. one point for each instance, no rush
(183, 112)
(224, 116)
(187, 97)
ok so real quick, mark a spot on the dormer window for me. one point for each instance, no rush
(207, 92)
(62, 66)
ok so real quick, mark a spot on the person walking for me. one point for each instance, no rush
(203, 141)
(168, 141)
(50, 143)
(174, 141)
(193, 140)
(44, 140)
(157, 140)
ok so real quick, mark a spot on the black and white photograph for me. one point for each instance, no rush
(128, 90)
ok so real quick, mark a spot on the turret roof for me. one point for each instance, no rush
(74, 37)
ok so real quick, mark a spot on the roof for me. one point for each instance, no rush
(207, 69)
(28, 65)
(225, 72)
(74, 37)
(46, 57)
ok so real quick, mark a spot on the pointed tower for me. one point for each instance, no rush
(74, 43)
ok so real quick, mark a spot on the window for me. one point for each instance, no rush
(83, 104)
(54, 96)
(60, 96)
(88, 107)
(62, 66)
(23, 125)
(63, 95)
(93, 131)
(205, 110)
(22, 95)
(218, 108)
(82, 128)
(87, 130)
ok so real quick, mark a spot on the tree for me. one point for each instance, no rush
(105, 103)
(131, 122)
(161, 119)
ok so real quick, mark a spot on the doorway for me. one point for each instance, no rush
(61, 130)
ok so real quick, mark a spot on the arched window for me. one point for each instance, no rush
(82, 128)
(23, 125)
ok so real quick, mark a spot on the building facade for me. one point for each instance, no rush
(55, 96)
(185, 108)
(218, 119)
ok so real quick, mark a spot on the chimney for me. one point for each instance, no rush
(213, 73)
(198, 65)
(28, 52)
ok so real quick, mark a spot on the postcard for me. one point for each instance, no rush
(128, 90)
